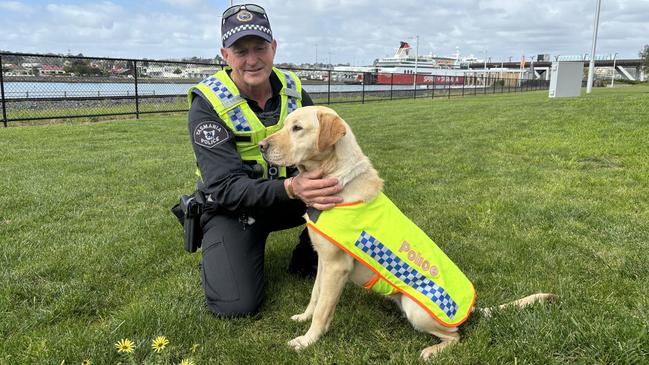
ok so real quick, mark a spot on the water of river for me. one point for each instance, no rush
(71, 90)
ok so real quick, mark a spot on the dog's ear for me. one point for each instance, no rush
(332, 129)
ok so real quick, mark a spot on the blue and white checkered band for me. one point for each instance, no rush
(221, 91)
(386, 258)
(291, 92)
(239, 120)
(228, 99)
(243, 27)
(292, 104)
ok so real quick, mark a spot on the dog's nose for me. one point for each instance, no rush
(263, 146)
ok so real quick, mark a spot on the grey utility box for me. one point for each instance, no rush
(565, 78)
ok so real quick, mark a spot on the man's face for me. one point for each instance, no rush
(251, 59)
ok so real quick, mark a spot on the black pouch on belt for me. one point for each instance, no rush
(188, 211)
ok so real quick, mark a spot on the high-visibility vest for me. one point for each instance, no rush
(223, 94)
(401, 255)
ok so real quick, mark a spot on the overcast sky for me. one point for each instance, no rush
(354, 31)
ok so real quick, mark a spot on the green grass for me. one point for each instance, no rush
(54, 112)
(524, 193)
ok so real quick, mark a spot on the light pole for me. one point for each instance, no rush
(591, 65)
(532, 67)
(614, 70)
(414, 81)
(485, 59)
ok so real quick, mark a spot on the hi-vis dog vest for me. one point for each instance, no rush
(233, 109)
(404, 258)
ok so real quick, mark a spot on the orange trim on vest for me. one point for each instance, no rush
(342, 247)
(349, 204)
(370, 283)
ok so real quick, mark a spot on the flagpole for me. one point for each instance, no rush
(591, 65)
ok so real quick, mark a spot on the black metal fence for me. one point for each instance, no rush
(43, 87)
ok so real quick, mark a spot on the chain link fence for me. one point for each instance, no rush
(46, 87)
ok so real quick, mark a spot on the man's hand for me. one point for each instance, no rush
(313, 190)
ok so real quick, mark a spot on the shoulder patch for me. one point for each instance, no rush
(209, 134)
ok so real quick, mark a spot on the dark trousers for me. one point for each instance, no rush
(232, 268)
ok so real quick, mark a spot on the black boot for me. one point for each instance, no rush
(304, 261)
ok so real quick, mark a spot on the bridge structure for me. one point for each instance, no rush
(630, 69)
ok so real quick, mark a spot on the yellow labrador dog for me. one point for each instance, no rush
(315, 137)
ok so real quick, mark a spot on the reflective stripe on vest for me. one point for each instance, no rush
(224, 96)
(381, 237)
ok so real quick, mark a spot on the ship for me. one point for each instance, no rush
(403, 67)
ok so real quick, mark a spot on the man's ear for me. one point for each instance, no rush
(225, 54)
(332, 129)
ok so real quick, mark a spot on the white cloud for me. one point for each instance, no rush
(14, 6)
(184, 3)
(355, 31)
(102, 14)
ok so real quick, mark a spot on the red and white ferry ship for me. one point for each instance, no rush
(403, 67)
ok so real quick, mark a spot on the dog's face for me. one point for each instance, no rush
(308, 134)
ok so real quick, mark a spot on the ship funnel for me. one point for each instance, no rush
(403, 51)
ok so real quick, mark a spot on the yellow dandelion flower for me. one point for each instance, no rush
(125, 345)
(186, 362)
(86, 362)
(159, 343)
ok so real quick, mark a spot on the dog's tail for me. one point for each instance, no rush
(520, 303)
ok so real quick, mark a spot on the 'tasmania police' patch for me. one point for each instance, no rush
(210, 134)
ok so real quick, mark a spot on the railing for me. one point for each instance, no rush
(42, 87)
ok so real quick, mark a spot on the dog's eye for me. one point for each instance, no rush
(296, 128)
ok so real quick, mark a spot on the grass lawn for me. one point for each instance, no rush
(524, 193)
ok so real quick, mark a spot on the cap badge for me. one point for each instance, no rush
(244, 16)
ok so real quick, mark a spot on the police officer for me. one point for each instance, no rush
(245, 197)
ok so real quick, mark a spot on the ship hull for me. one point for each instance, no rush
(407, 79)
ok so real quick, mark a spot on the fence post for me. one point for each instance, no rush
(434, 86)
(363, 90)
(2, 94)
(414, 85)
(484, 83)
(463, 81)
(391, 83)
(329, 88)
(448, 84)
(137, 96)
(475, 84)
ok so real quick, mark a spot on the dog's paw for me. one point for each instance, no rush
(429, 352)
(301, 317)
(299, 343)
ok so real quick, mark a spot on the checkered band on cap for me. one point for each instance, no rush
(241, 28)
(228, 99)
(410, 276)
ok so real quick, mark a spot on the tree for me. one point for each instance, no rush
(82, 68)
(644, 55)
